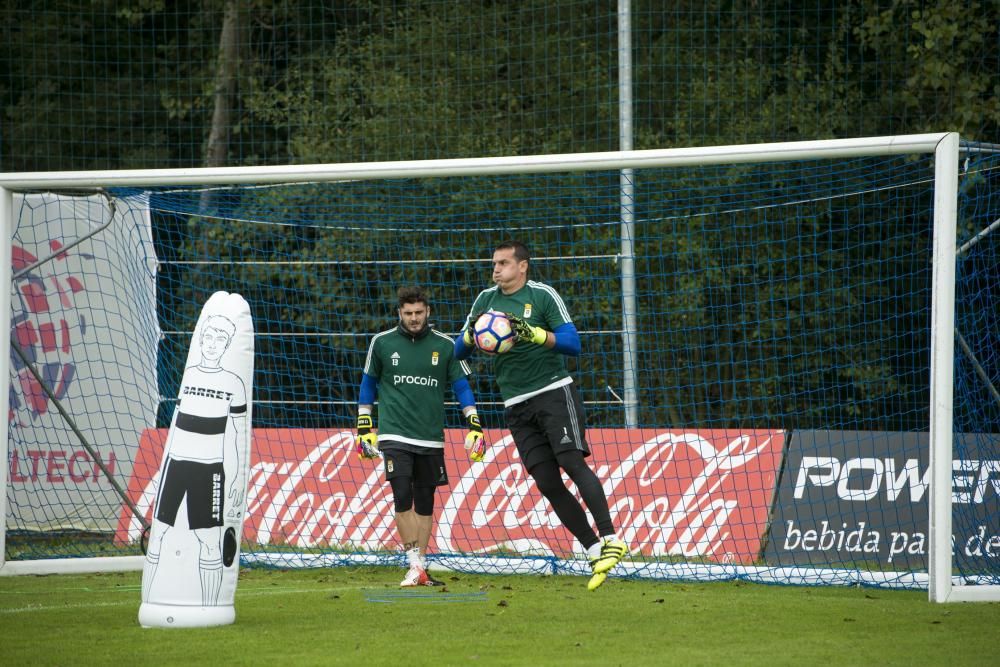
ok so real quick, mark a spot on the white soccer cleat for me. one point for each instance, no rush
(431, 581)
(415, 576)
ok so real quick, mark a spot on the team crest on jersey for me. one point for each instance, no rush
(527, 310)
(434, 358)
(395, 358)
(388, 465)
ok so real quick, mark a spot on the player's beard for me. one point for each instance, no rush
(414, 332)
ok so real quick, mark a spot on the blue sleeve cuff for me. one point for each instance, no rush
(461, 351)
(464, 393)
(567, 340)
(368, 390)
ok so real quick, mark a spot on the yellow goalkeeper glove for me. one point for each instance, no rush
(475, 443)
(467, 336)
(526, 332)
(367, 440)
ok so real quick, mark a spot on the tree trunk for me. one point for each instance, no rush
(217, 150)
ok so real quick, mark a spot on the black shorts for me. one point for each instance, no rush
(547, 424)
(204, 485)
(425, 467)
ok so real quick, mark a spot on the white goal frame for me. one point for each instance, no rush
(944, 146)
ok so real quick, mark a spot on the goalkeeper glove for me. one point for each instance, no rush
(367, 439)
(526, 332)
(475, 444)
(467, 336)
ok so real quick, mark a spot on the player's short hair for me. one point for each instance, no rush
(520, 250)
(411, 294)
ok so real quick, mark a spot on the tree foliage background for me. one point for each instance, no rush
(96, 84)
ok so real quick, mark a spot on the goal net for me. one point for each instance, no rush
(789, 357)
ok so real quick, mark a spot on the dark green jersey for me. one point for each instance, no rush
(528, 369)
(412, 373)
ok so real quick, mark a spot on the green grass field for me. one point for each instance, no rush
(359, 616)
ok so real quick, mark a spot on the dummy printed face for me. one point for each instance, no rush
(509, 273)
(214, 343)
(413, 316)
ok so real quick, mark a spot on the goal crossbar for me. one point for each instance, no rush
(530, 164)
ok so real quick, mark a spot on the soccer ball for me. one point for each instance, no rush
(492, 333)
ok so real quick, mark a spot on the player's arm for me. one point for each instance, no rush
(367, 438)
(475, 442)
(464, 344)
(564, 339)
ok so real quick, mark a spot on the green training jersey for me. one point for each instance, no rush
(412, 372)
(527, 369)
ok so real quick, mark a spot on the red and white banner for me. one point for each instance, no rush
(84, 315)
(702, 494)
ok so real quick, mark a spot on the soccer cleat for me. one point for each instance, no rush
(431, 581)
(612, 551)
(415, 576)
(596, 581)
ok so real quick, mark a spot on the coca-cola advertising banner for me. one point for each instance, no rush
(703, 494)
(861, 497)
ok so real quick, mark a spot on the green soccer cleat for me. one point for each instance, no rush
(612, 551)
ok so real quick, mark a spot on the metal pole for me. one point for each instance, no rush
(627, 206)
(6, 241)
(942, 367)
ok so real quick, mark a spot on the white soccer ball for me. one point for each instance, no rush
(493, 333)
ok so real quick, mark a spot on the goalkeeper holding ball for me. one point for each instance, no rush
(542, 406)
(408, 367)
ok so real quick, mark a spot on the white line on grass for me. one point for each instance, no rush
(253, 592)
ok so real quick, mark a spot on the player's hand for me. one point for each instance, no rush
(475, 443)
(367, 440)
(525, 332)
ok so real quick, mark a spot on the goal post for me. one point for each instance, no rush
(6, 273)
(781, 324)
(942, 586)
(942, 366)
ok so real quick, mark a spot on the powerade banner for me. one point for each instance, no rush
(83, 310)
(848, 497)
(704, 494)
